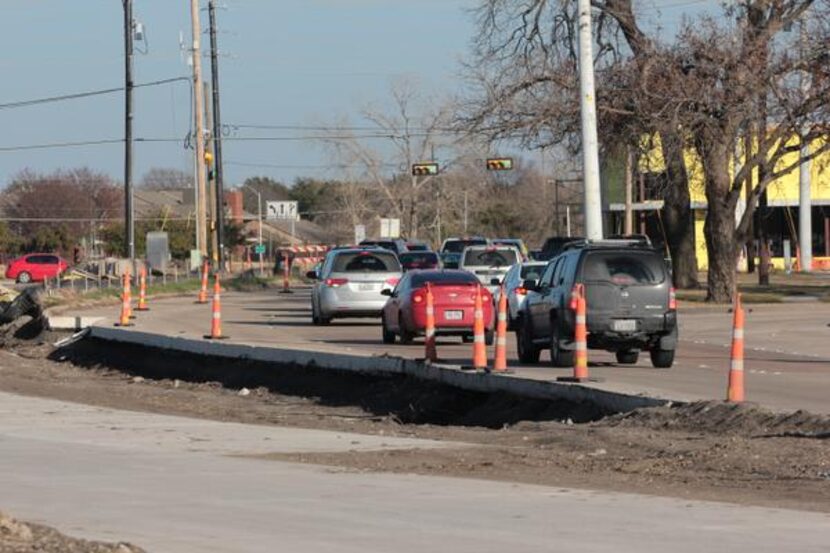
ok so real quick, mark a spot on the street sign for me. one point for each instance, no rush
(424, 169)
(259, 249)
(282, 210)
(500, 164)
(359, 233)
(390, 228)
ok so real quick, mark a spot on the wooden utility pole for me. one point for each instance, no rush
(218, 171)
(129, 226)
(211, 178)
(199, 139)
(629, 185)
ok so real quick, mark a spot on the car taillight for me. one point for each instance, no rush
(672, 299)
(418, 298)
(335, 282)
(574, 298)
(521, 291)
(392, 281)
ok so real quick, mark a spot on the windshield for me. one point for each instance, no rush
(457, 246)
(627, 269)
(490, 258)
(365, 262)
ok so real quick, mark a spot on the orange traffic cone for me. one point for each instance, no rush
(286, 274)
(142, 291)
(129, 291)
(479, 346)
(500, 361)
(431, 353)
(248, 263)
(124, 319)
(216, 314)
(580, 373)
(203, 289)
(735, 392)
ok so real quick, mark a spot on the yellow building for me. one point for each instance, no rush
(781, 222)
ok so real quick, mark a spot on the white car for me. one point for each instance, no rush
(516, 294)
(489, 263)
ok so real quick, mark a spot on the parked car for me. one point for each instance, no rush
(36, 267)
(514, 287)
(350, 282)
(452, 248)
(394, 244)
(489, 263)
(517, 243)
(454, 293)
(630, 305)
(555, 245)
(419, 260)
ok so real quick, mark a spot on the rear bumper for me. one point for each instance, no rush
(330, 305)
(650, 331)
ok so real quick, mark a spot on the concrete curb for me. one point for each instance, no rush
(445, 374)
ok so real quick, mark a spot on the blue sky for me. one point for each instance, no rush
(285, 62)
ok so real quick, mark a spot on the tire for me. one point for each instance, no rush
(489, 337)
(387, 335)
(628, 357)
(559, 357)
(406, 335)
(528, 352)
(318, 320)
(24, 278)
(662, 358)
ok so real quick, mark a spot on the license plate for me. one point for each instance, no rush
(625, 325)
(366, 287)
(453, 315)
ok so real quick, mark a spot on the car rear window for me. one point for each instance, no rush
(532, 272)
(457, 246)
(366, 262)
(418, 257)
(628, 268)
(380, 243)
(456, 277)
(490, 258)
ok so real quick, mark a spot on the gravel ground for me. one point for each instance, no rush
(25, 537)
(714, 451)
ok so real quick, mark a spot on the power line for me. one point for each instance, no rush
(61, 145)
(78, 95)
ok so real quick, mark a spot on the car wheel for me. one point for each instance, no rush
(24, 278)
(388, 335)
(628, 357)
(662, 358)
(528, 351)
(489, 337)
(559, 357)
(406, 335)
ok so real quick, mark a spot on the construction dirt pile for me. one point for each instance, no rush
(22, 537)
(713, 450)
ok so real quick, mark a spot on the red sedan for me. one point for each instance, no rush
(453, 294)
(36, 267)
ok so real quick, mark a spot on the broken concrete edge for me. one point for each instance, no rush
(74, 324)
(385, 365)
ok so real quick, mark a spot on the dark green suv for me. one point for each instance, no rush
(630, 305)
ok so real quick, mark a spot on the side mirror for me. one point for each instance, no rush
(386, 292)
(495, 281)
(530, 285)
(312, 275)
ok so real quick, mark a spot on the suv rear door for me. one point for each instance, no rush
(624, 288)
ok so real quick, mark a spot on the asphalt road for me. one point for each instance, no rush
(172, 484)
(787, 358)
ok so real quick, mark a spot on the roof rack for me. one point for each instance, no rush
(631, 242)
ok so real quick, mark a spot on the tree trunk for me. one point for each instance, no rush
(678, 218)
(719, 228)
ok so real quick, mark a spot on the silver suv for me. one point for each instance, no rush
(350, 282)
(489, 263)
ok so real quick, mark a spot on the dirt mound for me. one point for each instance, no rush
(725, 418)
(22, 537)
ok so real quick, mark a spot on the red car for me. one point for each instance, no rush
(454, 295)
(36, 267)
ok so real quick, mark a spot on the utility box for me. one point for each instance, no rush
(158, 251)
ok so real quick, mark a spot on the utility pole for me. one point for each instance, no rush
(590, 146)
(218, 174)
(629, 185)
(129, 226)
(805, 215)
(199, 139)
(211, 180)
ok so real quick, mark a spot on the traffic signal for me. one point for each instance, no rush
(500, 164)
(424, 169)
